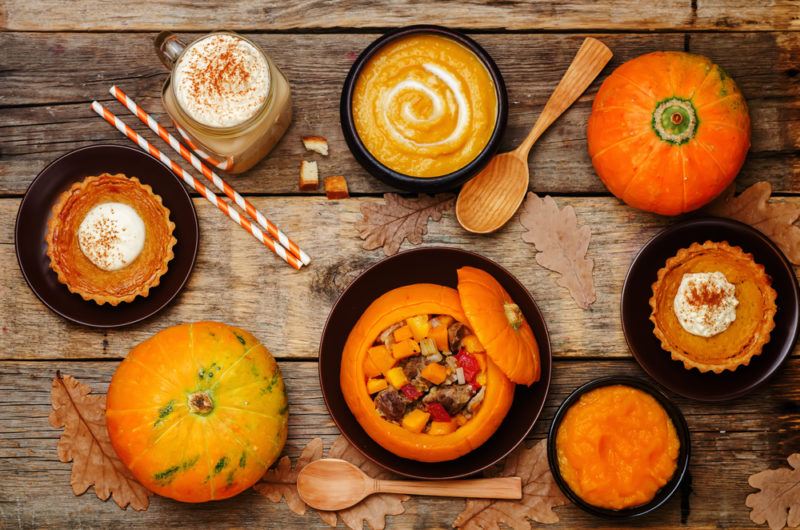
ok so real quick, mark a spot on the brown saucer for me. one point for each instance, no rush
(31, 227)
(638, 330)
(432, 265)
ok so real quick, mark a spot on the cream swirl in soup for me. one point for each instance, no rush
(425, 105)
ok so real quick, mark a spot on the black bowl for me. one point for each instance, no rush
(34, 212)
(638, 329)
(406, 182)
(431, 265)
(663, 494)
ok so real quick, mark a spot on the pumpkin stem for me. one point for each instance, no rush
(675, 120)
(200, 403)
(513, 315)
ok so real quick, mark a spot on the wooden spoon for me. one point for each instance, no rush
(331, 484)
(489, 200)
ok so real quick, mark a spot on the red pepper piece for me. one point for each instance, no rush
(438, 412)
(468, 364)
(411, 392)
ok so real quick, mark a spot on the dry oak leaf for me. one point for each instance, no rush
(540, 495)
(388, 224)
(86, 444)
(372, 510)
(281, 481)
(561, 244)
(778, 502)
(774, 219)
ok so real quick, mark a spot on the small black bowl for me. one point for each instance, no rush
(406, 182)
(662, 495)
(646, 348)
(429, 265)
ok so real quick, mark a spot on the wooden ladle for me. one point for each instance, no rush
(331, 484)
(489, 200)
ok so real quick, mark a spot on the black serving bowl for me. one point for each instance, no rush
(666, 492)
(429, 265)
(406, 182)
(638, 329)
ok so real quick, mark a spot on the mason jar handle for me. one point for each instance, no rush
(168, 47)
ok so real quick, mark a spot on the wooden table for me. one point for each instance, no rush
(56, 56)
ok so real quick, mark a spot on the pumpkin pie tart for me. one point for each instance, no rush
(713, 307)
(110, 239)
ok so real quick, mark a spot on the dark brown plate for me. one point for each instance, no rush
(431, 265)
(663, 494)
(34, 212)
(638, 329)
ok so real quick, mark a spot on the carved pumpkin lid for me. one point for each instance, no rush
(499, 324)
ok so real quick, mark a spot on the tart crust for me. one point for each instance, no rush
(83, 277)
(755, 314)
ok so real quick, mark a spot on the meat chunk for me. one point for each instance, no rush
(391, 404)
(412, 367)
(455, 333)
(452, 397)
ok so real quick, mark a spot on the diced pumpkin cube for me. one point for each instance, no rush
(481, 379)
(420, 325)
(460, 420)
(396, 377)
(401, 334)
(376, 385)
(370, 370)
(472, 344)
(381, 358)
(435, 373)
(407, 348)
(442, 321)
(439, 336)
(439, 428)
(416, 420)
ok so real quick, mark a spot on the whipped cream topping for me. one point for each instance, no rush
(705, 303)
(111, 235)
(221, 80)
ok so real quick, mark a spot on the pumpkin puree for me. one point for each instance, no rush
(617, 447)
(425, 105)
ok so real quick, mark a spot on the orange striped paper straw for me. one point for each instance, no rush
(221, 185)
(198, 186)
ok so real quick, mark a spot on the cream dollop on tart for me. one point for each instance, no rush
(111, 235)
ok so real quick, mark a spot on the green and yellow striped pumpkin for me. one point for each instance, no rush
(198, 412)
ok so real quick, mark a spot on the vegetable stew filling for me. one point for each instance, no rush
(427, 374)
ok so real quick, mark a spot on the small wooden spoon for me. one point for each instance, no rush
(331, 484)
(489, 200)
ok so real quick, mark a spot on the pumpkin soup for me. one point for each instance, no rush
(617, 447)
(425, 105)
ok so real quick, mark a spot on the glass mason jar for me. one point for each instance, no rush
(234, 148)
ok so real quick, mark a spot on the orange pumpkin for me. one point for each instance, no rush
(390, 308)
(499, 325)
(198, 412)
(668, 132)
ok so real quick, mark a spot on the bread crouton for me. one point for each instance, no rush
(309, 176)
(318, 144)
(336, 187)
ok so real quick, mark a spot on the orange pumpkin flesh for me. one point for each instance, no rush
(390, 308)
(198, 412)
(668, 132)
(499, 325)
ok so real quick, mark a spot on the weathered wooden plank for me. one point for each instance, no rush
(729, 442)
(272, 15)
(76, 67)
(287, 309)
(745, 14)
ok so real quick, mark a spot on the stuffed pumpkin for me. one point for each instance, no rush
(418, 378)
